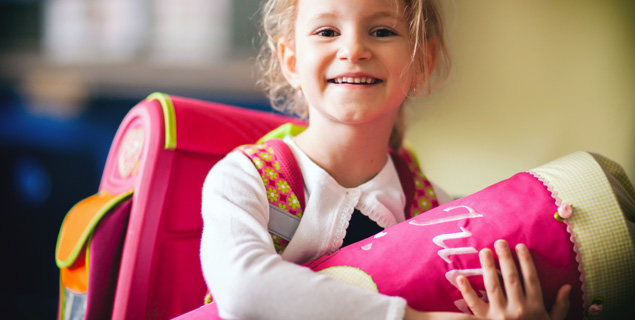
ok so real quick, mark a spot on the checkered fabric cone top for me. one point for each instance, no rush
(597, 202)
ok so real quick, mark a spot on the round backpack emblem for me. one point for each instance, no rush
(130, 152)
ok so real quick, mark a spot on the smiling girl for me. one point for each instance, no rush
(349, 65)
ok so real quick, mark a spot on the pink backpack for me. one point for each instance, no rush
(131, 251)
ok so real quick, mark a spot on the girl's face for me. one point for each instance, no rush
(351, 58)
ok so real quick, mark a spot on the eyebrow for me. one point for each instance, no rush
(322, 15)
(386, 14)
(376, 15)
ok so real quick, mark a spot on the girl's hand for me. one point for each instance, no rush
(514, 303)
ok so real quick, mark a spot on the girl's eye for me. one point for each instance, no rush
(380, 33)
(326, 33)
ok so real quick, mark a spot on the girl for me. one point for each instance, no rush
(348, 65)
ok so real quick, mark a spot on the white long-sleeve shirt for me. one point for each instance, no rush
(246, 276)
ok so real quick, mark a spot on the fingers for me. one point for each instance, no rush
(493, 287)
(478, 306)
(513, 286)
(512, 301)
(561, 307)
(530, 275)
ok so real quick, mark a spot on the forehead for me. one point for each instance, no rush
(317, 9)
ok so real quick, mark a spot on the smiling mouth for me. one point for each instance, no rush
(354, 80)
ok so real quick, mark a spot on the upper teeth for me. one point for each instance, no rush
(355, 80)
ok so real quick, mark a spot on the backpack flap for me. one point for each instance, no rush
(73, 246)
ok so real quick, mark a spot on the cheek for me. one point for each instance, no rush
(404, 75)
(399, 63)
(304, 61)
(313, 69)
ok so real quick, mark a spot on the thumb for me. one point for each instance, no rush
(561, 307)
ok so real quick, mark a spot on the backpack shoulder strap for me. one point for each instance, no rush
(284, 186)
(417, 188)
(289, 169)
(405, 177)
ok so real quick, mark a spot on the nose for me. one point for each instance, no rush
(353, 48)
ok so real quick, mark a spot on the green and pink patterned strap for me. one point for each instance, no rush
(423, 198)
(284, 186)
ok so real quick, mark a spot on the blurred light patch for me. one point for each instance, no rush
(32, 181)
(77, 31)
(58, 95)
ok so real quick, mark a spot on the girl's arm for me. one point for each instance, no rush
(245, 275)
(515, 302)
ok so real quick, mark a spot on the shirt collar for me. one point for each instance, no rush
(381, 199)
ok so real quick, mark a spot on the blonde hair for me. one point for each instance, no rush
(424, 21)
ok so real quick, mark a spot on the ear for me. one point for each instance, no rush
(431, 55)
(287, 58)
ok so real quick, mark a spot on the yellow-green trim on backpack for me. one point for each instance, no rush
(169, 118)
(87, 255)
(88, 229)
(287, 129)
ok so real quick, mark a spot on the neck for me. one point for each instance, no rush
(351, 153)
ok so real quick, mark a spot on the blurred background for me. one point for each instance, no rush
(531, 81)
